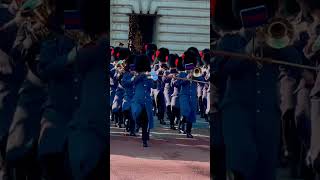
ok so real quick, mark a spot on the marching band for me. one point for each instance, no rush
(174, 86)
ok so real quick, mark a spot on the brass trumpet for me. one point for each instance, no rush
(120, 65)
(197, 72)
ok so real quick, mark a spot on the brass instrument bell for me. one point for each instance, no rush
(279, 33)
(197, 72)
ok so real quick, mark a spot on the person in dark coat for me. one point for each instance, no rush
(168, 89)
(88, 130)
(141, 106)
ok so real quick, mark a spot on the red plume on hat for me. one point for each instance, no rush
(153, 57)
(182, 56)
(201, 54)
(176, 62)
(167, 57)
(118, 54)
(112, 51)
(158, 53)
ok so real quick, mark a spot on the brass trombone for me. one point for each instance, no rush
(197, 72)
(155, 77)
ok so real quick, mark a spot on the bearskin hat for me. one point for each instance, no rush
(142, 63)
(179, 63)
(161, 54)
(124, 53)
(190, 57)
(172, 58)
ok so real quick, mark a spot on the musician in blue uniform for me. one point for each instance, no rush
(200, 86)
(88, 131)
(141, 106)
(175, 105)
(206, 87)
(168, 89)
(250, 107)
(162, 55)
(57, 55)
(24, 130)
(128, 94)
(151, 51)
(113, 81)
(187, 94)
(117, 101)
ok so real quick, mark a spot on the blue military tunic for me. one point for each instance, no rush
(187, 97)
(88, 129)
(141, 98)
(250, 109)
(61, 102)
(128, 90)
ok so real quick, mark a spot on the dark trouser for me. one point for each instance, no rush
(176, 113)
(201, 106)
(160, 106)
(131, 123)
(189, 127)
(54, 167)
(291, 141)
(118, 117)
(238, 176)
(143, 118)
(5, 172)
(217, 152)
(28, 168)
(170, 115)
(99, 172)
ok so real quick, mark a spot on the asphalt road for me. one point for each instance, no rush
(171, 156)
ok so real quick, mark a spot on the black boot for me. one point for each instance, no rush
(162, 122)
(182, 128)
(173, 127)
(218, 164)
(189, 135)
(238, 176)
(145, 144)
